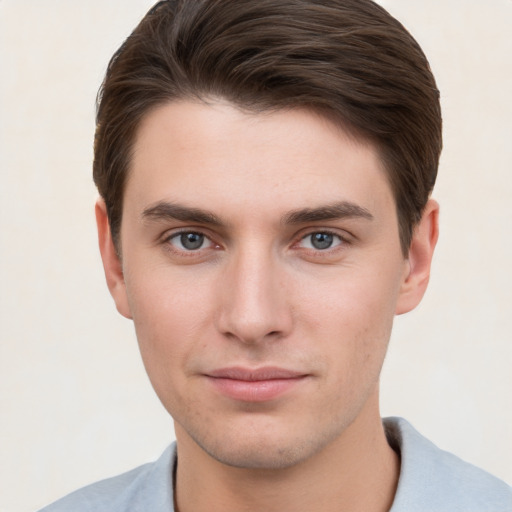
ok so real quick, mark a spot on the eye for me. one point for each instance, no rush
(190, 241)
(321, 240)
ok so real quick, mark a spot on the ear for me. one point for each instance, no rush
(111, 261)
(422, 247)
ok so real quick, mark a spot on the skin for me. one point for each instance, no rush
(258, 195)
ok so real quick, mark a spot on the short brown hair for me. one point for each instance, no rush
(347, 59)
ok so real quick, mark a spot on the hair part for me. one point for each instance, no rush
(348, 60)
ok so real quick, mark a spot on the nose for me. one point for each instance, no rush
(254, 306)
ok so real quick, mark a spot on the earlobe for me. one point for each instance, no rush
(421, 251)
(111, 262)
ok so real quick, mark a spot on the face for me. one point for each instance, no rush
(262, 267)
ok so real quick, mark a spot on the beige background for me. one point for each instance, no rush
(75, 403)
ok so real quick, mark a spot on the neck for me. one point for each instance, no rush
(356, 472)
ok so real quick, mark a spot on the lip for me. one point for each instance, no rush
(255, 385)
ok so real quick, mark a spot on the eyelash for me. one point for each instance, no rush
(342, 240)
(184, 252)
(167, 241)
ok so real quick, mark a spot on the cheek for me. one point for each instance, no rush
(171, 315)
(165, 326)
(161, 298)
(351, 300)
(352, 321)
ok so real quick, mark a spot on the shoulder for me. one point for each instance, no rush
(433, 479)
(147, 487)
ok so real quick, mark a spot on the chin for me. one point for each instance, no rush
(263, 449)
(258, 457)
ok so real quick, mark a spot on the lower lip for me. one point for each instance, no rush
(255, 391)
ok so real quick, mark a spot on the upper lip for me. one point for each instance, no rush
(257, 374)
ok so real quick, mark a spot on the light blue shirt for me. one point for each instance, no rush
(431, 480)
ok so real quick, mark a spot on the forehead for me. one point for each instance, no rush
(217, 154)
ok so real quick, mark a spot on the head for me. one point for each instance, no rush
(347, 60)
(265, 170)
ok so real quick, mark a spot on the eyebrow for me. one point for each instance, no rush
(164, 210)
(341, 210)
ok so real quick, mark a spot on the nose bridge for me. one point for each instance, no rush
(254, 305)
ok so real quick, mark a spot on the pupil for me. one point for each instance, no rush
(321, 240)
(192, 240)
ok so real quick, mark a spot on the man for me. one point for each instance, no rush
(265, 171)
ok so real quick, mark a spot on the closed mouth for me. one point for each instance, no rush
(258, 374)
(255, 385)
